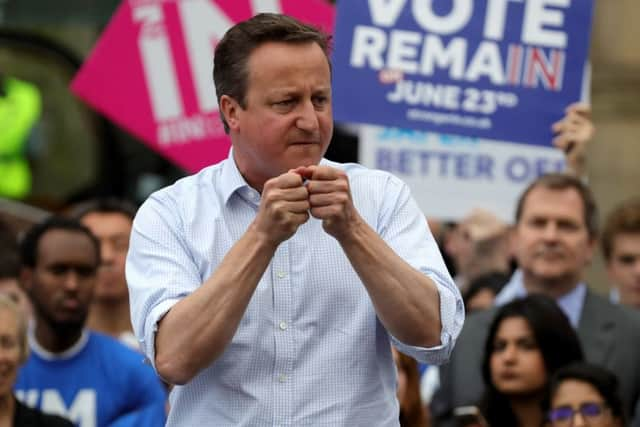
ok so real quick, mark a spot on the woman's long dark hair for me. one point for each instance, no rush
(412, 412)
(554, 336)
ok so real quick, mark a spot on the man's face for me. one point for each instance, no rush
(623, 267)
(11, 288)
(288, 119)
(459, 246)
(11, 351)
(61, 283)
(113, 230)
(551, 240)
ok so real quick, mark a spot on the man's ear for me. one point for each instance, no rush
(230, 108)
(26, 278)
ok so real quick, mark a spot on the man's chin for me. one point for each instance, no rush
(556, 278)
(70, 325)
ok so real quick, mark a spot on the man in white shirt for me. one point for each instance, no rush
(268, 287)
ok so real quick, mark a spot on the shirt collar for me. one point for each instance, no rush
(571, 303)
(66, 354)
(231, 180)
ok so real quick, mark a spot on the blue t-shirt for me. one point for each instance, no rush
(96, 383)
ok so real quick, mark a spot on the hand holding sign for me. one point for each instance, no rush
(573, 133)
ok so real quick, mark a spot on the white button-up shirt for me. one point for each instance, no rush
(309, 349)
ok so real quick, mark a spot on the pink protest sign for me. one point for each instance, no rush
(150, 72)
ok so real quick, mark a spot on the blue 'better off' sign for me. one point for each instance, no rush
(498, 69)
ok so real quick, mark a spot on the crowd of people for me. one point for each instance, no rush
(280, 288)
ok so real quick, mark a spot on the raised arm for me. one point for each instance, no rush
(197, 329)
(573, 134)
(406, 300)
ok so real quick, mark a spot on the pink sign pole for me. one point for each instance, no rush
(150, 72)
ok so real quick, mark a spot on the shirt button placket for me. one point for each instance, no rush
(282, 313)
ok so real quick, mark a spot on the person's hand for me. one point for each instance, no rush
(330, 199)
(573, 133)
(283, 208)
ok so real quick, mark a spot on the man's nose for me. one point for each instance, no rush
(71, 280)
(550, 231)
(107, 253)
(308, 118)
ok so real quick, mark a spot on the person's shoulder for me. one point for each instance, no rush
(357, 169)
(30, 417)
(372, 178)
(479, 321)
(483, 316)
(474, 332)
(185, 186)
(113, 349)
(600, 307)
(181, 198)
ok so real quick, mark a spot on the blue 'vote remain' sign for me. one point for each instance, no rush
(498, 69)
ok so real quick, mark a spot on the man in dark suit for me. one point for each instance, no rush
(554, 240)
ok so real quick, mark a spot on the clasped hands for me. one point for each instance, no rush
(290, 199)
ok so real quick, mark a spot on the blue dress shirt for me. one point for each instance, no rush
(309, 349)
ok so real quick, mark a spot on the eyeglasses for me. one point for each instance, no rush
(563, 415)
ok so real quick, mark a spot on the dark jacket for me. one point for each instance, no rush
(29, 417)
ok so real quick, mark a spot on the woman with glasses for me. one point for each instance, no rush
(583, 394)
(529, 339)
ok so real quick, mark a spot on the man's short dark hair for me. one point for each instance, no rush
(561, 181)
(230, 73)
(31, 239)
(106, 205)
(625, 218)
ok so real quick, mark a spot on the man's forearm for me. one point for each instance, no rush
(198, 328)
(406, 301)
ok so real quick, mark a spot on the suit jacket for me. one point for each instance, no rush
(609, 334)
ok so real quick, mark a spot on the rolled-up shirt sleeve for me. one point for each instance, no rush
(405, 229)
(452, 318)
(160, 270)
